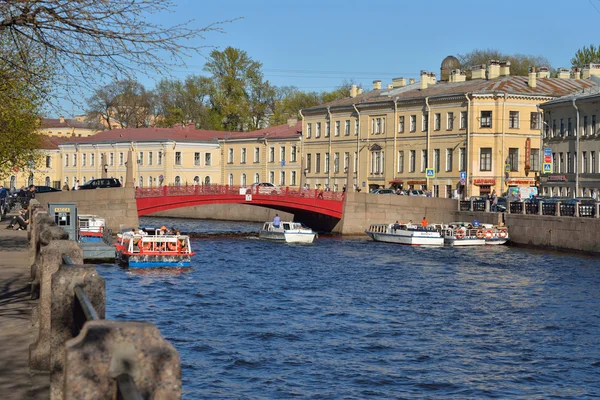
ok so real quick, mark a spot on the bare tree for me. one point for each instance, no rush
(81, 39)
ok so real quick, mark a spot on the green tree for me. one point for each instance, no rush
(180, 102)
(585, 56)
(519, 63)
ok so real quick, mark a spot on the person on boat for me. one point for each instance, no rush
(476, 223)
(424, 222)
(276, 221)
(162, 231)
(397, 226)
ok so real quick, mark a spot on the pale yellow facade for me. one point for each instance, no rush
(65, 128)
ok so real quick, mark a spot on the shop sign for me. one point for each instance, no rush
(520, 182)
(557, 178)
(424, 182)
(484, 181)
(528, 154)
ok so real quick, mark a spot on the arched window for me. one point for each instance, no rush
(256, 177)
(47, 181)
(282, 178)
(83, 180)
(196, 180)
(67, 180)
(141, 180)
(13, 181)
(149, 181)
(177, 180)
(243, 179)
(74, 180)
(230, 179)
(207, 180)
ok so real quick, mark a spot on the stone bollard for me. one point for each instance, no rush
(106, 349)
(540, 208)
(471, 205)
(487, 206)
(62, 324)
(47, 234)
(597, 206)
(557, 209)
(508, 206)
(576, 212)
(39, 221)
(523, 209)
(48, 263)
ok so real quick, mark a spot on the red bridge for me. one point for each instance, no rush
(154, 199)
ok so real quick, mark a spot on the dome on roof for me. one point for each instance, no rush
(449, 63)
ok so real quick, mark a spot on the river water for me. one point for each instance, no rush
(347, 318)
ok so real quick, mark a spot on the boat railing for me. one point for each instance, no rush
(158, 243)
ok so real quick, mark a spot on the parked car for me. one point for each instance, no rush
(416, 192)
(264, 187)
(101, 183)
(46, 189)
(384, 191)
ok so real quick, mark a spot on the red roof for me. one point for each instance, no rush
(184, 133)
(52, 142)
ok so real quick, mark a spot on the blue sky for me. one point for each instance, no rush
(315, 45)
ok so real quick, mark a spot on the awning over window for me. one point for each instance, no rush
(396, 181)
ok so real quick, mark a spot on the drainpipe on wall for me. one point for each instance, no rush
(502, 172)
(395, 130)
(331, 128)
(576, 151)
(541, 154)
(357, 148)
(427, 142)
(467, 169)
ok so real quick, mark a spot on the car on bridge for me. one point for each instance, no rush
(383, 191)
(264, 188)
(101, 183)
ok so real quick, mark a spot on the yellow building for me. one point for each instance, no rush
(428, 134)
(62, 127)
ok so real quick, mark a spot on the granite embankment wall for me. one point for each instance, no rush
(364, 209)
(116, 205)
(226, 212)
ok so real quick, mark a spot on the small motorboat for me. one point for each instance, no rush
(149, 248)
(288, 232)
(408, 234)
(494, 234)
(91, 228)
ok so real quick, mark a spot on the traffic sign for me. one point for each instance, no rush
(463, 175)
(463, 181)
(547, 159)
(548, 151)
(547, 168)
(430, 173)
(507, 168)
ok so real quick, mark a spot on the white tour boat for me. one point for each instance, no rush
(150, 248)
(405, 234)
(462, 234)
(494, 234)
(289, 232)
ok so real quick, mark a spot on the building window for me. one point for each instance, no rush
(513, 159)
(436, 160)
(141, 179)
(513, 119)
(281, 178)
(271, 154)
(437, 121)
(535, 159)
(177, 180)
(585, 125)
(318, 163)
(141, 158)
(282, 155)
(485, 119)
(562, 127)
(449, 160)
(584, 165)
(377, 162)
(111, 158)
(293, 153)
(92, 159)
(593, 170)
(230, 179)
(412, 155)
(84, 159)
(553, 133)
(318, 130)
(462, 159)
(308, 132)
(150, 159)
(243, 156)
(327, 128)
(377, 125)
(149, 181)
(256, 177)
(463, 120)
(336, 163)
(561, 162)
(160, 158)
(196, 180)
(413, 123)
(569, 163)
(423, 160)
(356, 127)
(593, 124)
(49, 162)
(197, 159)
(450, 121)
(346, 161)
(534, 122)
(425, 122)
(207, 180)
(485, 159)
(67, 160)
(326, 166)
(75, 159)
(347, 128)
(293, 178)
(257, 154)
(243, 181)
(229, 156)
(121, 158)
(207, 160)
(272, 177)
(569, 127)
(401, 161)
(401, 124)
(177, 158)
(337, 128)
(308, 163)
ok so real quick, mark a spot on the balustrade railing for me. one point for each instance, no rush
(555, 208)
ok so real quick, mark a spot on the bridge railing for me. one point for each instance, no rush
(211, 190)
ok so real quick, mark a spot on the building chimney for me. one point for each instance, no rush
(564, 73)
(576, 73)
(359, 92)
(531, 82)
(353, 91)
(504, 68)
(424, 79)
(390, 86)
(398, 82)
(377, 84)
(432, 78)
(457, 75)
(543, 72)
(494, 69)
(411, 81)
(478, 71)
(61, 119)
(292, 121)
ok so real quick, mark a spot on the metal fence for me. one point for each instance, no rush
(555, 208)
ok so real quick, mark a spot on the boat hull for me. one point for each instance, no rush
(450, 241)
(156, 261)
(287, 237)
(411, 238)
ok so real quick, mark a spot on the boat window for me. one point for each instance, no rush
(286, 227)
(266, 226)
